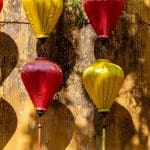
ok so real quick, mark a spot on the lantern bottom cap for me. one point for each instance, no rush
(40, 36)
(40, 113)
(103, 110)
(40, 108)
(104, 36)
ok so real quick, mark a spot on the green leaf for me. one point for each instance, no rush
(75, 3)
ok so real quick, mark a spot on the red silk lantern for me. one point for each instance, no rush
(41, 79)
(1, 5)
(103, 15)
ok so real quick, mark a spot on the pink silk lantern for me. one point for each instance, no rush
(41, 79)
(1, 5)
(103, 15)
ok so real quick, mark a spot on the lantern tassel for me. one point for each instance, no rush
(104, 131)
(103, 138)
(39, 134)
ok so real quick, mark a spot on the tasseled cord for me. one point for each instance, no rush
(39, 133)
(39, 114)
(103, 138)
(104, 132)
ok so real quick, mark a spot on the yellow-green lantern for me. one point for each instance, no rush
(43, 15)
(102, 81)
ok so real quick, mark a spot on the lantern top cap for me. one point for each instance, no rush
(41, 58)
(102, 60)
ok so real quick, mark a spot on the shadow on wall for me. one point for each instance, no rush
(59, 48)
(129, 53)
(8, 122)
(57, 128)
(8, 56)
(145, 122)
(61, 126)
(119, 128)
(8, 60)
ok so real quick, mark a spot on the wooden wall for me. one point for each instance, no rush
(72, 122)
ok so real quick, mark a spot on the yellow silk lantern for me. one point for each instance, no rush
(102, 81)
(43, 15)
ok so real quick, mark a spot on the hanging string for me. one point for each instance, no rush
(101, 48)
(39, 133)
(43, 50)
(103, 52)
